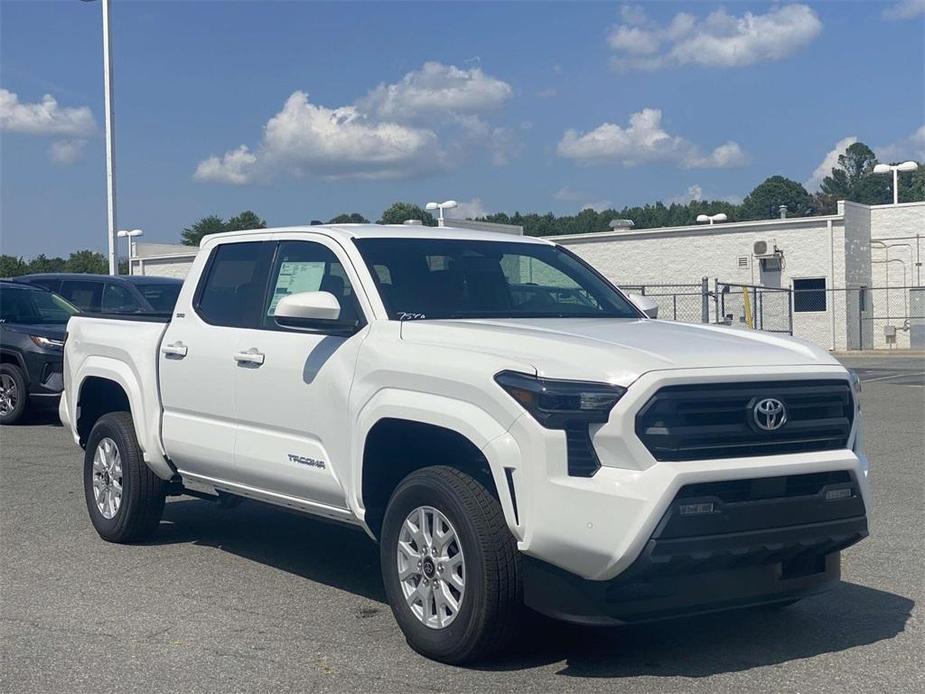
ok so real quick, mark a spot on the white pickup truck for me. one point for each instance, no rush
(507, 424)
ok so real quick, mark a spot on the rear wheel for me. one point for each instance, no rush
(13, 394)
(450, 566)
(124, 498)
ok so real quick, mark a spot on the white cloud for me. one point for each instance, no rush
(472, 209)
(694, 192)
(304, 138)
(644, 141)
(437, 89)
(718, 40)
(235, 166)
(828, 163)
(597, 205)
(904, 9)
(566, 193)
(501, 142)
(912, 147)
(44, 118)
(66, 151)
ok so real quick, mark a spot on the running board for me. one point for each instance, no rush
(212, 486)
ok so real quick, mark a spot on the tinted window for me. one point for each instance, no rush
(447, 278)
(49, 284)
(84, 294)
(304, 266)
(233, 288)
(809, 295)
(119, 299)
(33, 306)
(161, 296)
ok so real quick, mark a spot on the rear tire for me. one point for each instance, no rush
(124, 497)
(13, 394)
(486, 592)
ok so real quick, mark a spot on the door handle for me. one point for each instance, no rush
(177, 350)
(250, 356)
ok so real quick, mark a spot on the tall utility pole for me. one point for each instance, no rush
(110, 142)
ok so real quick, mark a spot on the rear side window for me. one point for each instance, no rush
(118, 299)
(232, 289)
(84, 294)
(51, 285)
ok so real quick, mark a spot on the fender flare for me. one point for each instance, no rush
(463, 418)
(146, 420)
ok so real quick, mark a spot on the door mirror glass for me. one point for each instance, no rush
(647, 305)
(311, 311)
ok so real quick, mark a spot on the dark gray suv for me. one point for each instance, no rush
(111, 294)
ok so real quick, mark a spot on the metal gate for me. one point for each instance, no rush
(759, 308)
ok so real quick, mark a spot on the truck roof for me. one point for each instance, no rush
(384, 231)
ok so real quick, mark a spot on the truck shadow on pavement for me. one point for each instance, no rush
(847, 617)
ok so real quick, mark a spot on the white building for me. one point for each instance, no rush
(826, 260)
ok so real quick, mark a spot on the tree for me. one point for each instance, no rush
(400, 211)
(352, 218)
(41, 263)
(764, 201)
(192, 235)
(87, 261)
(11, 266)
(853, 178)
(213, 224)
(245, 220)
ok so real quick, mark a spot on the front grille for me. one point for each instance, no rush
(696, 422)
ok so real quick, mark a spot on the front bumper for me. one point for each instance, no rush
(719, 546)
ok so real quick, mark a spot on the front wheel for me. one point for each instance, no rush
(450, 566)
(13, 394)
(124, 497)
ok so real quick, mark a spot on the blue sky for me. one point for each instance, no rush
(302, 110)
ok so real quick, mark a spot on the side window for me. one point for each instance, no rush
(51, 285)
(306, 266)
(118, 299)
(84, 294)
(231, 291)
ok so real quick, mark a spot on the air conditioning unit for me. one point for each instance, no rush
(760, 248)
(771, 261)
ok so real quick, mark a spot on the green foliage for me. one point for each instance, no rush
(11, 266)
(87, 261)
(213, 224)
(352, 218)
(763, 202)
(400, 211)
(41, 263)
(852, 178)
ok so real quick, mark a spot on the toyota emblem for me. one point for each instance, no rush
(769, 414)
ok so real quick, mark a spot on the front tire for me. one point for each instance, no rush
(13, 394)
(450, 566)
(124, 497)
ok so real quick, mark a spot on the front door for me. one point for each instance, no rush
(197, 364)
(291, 386)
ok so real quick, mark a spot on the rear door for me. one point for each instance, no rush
(197, 365)
(84, 294)
(291, 386)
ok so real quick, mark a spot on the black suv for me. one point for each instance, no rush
(32, 333)
(111, 294)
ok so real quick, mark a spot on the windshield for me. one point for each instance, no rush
(33, 307)
(420, 279)
(162, 297)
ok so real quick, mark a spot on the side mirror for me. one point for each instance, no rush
(311, 311)
(647, 305)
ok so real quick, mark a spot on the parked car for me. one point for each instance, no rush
(32, 324)
(111, 294)
(507, 444)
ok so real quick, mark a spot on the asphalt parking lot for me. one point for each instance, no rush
(253, 598)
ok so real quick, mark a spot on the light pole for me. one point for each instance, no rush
(440, 206)
(887, 168)
(131, 236)
(704, 218)
(110, 140)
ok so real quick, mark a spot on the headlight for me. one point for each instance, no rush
(46, 342)
(559, 404)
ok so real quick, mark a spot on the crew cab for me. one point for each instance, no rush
(508, 426)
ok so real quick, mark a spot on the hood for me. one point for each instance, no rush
(614, 349)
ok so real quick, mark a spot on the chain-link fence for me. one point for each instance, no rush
(889, 317)
(680, 302)
(760, 308)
